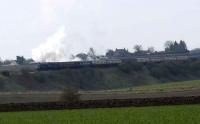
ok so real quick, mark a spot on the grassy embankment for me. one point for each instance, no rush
(130, 74)
(172, 86)
(189, 114)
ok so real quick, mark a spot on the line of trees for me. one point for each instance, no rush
(170, 47)
(174, 46)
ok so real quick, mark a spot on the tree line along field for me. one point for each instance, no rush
(183, 114)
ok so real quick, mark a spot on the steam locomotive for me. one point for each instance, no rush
(77, 64)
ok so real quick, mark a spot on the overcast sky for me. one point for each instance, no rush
(27, 26)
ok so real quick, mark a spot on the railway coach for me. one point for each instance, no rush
(77, 64)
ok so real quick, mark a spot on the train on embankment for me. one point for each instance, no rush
(78, 64)
(47, 66)
(116, 61)
(111, 62)
(101, 62)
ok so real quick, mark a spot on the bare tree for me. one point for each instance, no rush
(72, 57)
(138, 48)
(92, 54)
(110, 53)
(82, 56)
(70, 95)
(168, 44)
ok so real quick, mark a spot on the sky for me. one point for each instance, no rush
(38, 28)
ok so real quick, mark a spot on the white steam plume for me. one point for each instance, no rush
(52, 49)
(60, 47)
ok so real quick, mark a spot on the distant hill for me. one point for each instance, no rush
(128, 74)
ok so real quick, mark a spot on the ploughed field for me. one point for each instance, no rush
(173, 89)
(182, 114)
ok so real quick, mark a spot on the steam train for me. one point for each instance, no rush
(110, 62)
(102, 62)
(77, 64)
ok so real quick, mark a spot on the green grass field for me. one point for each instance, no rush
(185, 114)
(183, 85)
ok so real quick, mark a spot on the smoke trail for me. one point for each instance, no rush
(52, 49)
(62, 44)
(60, 47)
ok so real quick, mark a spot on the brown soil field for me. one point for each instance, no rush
(30, 101)
(99, 104)
(31, 97)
